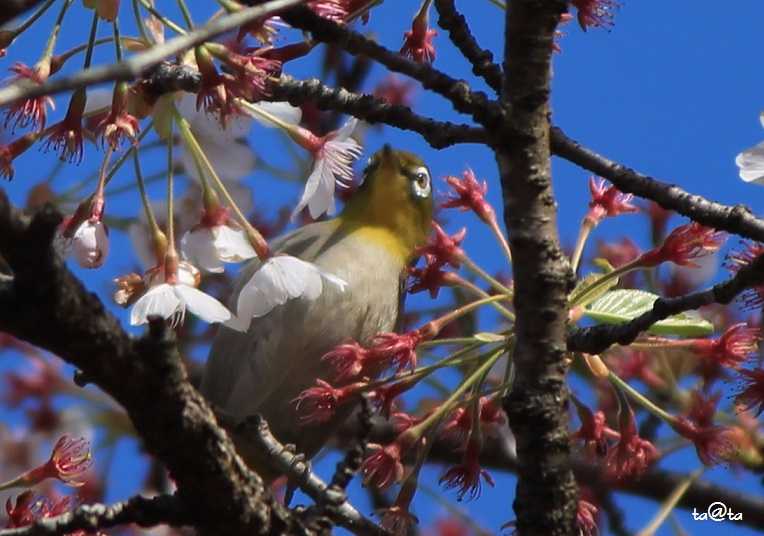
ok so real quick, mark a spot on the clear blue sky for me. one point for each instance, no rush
(674, 90)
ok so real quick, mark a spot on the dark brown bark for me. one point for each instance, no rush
(545, 502)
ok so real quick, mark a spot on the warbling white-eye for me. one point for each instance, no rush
(369, 245)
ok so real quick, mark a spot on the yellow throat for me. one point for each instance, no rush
(393, 206)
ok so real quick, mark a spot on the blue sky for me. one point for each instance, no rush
(673, 89)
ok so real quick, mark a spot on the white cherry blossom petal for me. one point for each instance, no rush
(202, 305)
(232, 245)
(751, 164)
(90, 244)
(160, 300)
(198, 247)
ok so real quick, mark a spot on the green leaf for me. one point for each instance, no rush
(621, 306)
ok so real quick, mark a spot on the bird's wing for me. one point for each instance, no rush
(231, 349)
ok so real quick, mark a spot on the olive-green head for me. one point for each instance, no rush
(396, 194)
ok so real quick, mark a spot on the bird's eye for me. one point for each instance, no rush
(420, 183)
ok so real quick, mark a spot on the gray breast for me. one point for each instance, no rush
(263, 370)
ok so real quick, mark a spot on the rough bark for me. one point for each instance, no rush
(545, 502)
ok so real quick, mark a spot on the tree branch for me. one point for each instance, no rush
(142, 511)
(596, 339)
(13, 8)
(737, 219)
(292, 465)
(133, 67)
(546, 497)
(439, 134)
(482, 60)
(464, 100)
(175, 421)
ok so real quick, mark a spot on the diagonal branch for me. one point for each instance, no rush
(133, 67)
(596, 339)
(296, 467)
(438, 134)
(737, 219)
(482, 60)
(168, 77)
(545, 501)
(142, 511)
(464, 100)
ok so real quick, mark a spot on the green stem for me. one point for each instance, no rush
(483, 294)
(186, 14)
(670, 503)
(170, 202)
(258, 242)
(31, 20)
(140, 24)
(91, 40)
(117, 41)
(153, 225)
(499, 4)
(583, 234)
(477, 270)
(451, 401)
(641, 399)
(164, 20)
(51, 44)
(494, 226)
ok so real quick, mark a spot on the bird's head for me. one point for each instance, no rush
(396, 195)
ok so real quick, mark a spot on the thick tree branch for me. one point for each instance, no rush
(133, 67)
(439, 134)
(596, 339)
(142, 511)
(13, 8)
(737, 219)
(482, 60)
(168, 77)
(145, 376)
(476, 103)
(545, 502)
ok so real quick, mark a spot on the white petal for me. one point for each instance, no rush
(346, 130)
(202, 305)
(299, 278)
(761, 118)
(98, 99)
(232, 160)
(198, 247)
(232, 245)
(158, 301)
(340, 283)
(323, 198)
(311, 185)
(283, 110)
(751, 164)
(90, 244)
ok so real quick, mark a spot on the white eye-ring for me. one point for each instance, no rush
(420, 182)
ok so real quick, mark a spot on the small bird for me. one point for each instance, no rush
(369, 246)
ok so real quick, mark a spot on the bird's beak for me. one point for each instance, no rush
(386, 155)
